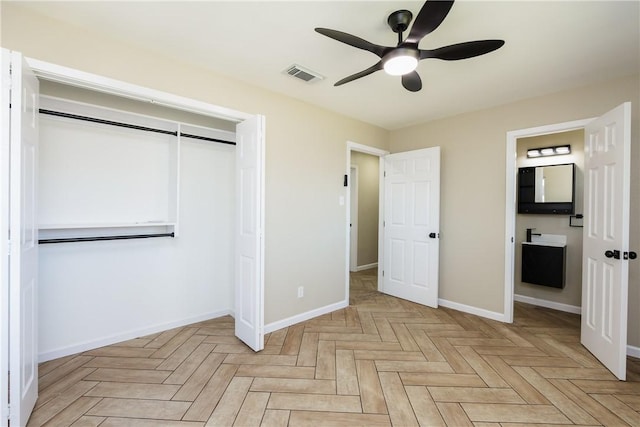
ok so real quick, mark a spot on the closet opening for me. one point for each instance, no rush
(144, 198)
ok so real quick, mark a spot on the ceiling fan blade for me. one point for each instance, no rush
(429, 18)
(354, 41)
(462, 50)
(412, 81)
(362, 73)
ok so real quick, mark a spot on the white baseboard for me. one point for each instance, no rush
(633, 351)
(129, 335)
(366, 266)
(548, 304)
(274, 326)
(472, 310)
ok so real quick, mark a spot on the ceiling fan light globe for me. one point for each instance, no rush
(400, 65)
(400, 61)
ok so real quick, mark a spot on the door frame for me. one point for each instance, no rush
(73, 77)
(354, 146)
(510, 200)
(353, 218)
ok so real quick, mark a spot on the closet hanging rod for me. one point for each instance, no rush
(98, 238)
(130, 126)
(206, 138)
(105, 122)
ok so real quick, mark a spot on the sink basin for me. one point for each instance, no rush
(557, 240)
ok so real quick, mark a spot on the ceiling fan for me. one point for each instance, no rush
(402, 60)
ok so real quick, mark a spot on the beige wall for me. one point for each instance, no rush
(305, 224)
(368, 195)
(472, 212)
(553, 224)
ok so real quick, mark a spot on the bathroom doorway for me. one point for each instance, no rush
(605, 251)
(566, 293)
(512, 238)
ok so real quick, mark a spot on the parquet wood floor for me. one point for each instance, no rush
(380, 361)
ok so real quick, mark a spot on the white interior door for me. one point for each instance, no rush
(606, 238)
(5, 136)
(411, 225)
(23, 247)
(249, 287)
(353, 221)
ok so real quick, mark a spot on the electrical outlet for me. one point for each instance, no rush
(300, 291)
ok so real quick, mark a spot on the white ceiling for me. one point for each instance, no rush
(550, 46)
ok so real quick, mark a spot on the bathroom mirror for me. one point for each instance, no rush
(546, 189)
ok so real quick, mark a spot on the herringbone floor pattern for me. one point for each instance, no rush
(381, 361)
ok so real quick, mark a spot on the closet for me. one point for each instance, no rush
(130, 235)
(136, 217)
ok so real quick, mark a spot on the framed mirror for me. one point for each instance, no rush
(548, 189)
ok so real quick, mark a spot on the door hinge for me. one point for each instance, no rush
(382, 273)
(346, 181)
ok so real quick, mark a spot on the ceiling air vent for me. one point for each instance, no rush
(303, 73)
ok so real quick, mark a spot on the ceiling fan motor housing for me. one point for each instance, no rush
(399, 20)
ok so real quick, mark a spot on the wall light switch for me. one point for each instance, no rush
(341, 201)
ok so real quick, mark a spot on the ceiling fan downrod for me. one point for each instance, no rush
(399, 22)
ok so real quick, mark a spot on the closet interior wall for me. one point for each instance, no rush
(99, 292)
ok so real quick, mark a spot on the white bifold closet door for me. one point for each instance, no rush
(249, 289)
(20, 282)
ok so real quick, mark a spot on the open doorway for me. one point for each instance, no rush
(605, 246)
(365, 198)
(364, 215)
(517, 141)
(562, 291)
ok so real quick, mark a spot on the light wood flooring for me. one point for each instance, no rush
(381, 361)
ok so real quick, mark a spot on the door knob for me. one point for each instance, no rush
(432, 235)
(612, 254)
(633, 255)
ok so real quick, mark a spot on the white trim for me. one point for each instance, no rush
(77, 78)
(353, 217)
(274, 326)
(366, 266)
(548, 304)
(510, 201)
(129, 335)
(510, 228)
(633, 351)
(472, 310)
(354, 146)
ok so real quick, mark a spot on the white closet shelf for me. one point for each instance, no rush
(105, 225)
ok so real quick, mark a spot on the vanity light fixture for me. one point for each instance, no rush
(549, 151)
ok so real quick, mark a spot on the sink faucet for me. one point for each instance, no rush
(529, 234)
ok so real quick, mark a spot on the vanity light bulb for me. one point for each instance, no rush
(563, 149)
(547, 151)
(533, 153)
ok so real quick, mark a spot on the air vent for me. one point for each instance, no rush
(303, 73)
